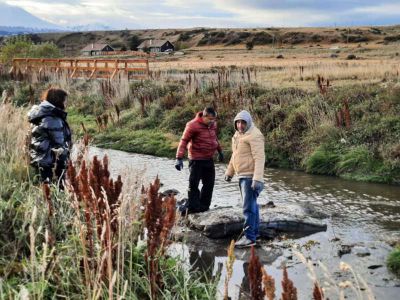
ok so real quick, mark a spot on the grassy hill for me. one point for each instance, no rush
(72, 42)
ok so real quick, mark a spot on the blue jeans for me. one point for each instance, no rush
(250, 208)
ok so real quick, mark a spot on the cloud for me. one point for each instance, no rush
(211, 13)
(388, 9)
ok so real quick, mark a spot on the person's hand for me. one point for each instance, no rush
(220, 156)
(257, 186)
(179, 164)
(228, 178)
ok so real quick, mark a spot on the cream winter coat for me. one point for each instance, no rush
(248, 154)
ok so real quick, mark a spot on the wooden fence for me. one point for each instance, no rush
(82, 68)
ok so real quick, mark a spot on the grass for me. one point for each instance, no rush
(144, 141)
(351, 132)
(45, 254)
(393, 261)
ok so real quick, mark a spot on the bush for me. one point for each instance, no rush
(393, 261)
(22, 46)
(45, 50)
(90, 105)
(322, 161)
(392, 38)
(15, 47)
(176, 119)
(134, 42)
(356, 159)
(24, 96)
(262, 38)
(249, 45)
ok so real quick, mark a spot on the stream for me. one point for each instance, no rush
(363, 218)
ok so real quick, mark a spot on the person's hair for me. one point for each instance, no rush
(56, 97)
(209, 111)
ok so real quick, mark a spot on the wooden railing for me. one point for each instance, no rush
(82, 68)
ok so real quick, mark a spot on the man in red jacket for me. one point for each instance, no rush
(200, 137)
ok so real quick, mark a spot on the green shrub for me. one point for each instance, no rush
(90, 105)
(133, 119)
(356, 159)
(23, 96)
(22, 46)
(393, 261)
(146, 141)
(322, 161)
(175, 120)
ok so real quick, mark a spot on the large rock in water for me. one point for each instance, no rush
(228, 221)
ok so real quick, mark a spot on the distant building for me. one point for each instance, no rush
(96, 49)
(156, 46)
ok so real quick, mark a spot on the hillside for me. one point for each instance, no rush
(72, 42)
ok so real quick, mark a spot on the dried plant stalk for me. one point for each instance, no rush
(289, 292)
(255, 276)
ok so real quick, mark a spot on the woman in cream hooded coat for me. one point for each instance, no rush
(247, 162)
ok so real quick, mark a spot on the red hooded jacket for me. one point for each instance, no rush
(200, 139)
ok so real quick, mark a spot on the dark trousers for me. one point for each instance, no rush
(47, 174)
(199, 201)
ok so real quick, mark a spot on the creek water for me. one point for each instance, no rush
(361, 217)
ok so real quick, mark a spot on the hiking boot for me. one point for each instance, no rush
(182, 202)
(244, 242)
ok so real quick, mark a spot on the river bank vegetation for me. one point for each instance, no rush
(87, 242)
(351, 131)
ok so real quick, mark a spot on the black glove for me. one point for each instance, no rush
(220, 156)
(179, 164)
(228, 178)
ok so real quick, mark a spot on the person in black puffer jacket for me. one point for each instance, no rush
(51, 136)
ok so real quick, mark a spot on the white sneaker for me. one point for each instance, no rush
(244, 242)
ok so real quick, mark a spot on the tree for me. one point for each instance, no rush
(16, 46)
(49, 50)
(134, 42)
(22, 46)
(249, 45)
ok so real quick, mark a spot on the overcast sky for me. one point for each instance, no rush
(212, 13)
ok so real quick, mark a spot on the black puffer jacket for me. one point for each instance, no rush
(50, 130)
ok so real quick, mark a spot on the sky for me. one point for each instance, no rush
(120, 14)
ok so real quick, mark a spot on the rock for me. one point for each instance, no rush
(345, 249)
(351, 57)
(333, 55)
(195, 241)
(373, 267)
(269, 204)
(170, 192)
(361, 251)
(280, 56)
(228, 221)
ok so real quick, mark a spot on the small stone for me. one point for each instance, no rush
(373, 267)
(344, 249)
(361, 251)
